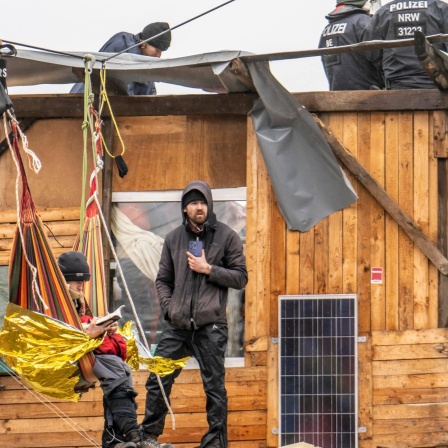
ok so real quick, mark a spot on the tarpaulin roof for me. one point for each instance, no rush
(307, 180)
(210, 72)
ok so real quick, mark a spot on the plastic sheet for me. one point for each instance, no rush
(43, 351)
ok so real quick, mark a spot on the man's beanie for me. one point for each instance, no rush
(193, 195)
(359, 3)
(74, 266)
(162, 42)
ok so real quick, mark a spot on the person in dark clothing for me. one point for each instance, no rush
(121, 429)
(399, 19)
(193, 293)
(154, 48)
(348, 71)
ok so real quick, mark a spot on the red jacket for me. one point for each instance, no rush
(113, 344)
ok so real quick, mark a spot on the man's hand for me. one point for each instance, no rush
(199, 264)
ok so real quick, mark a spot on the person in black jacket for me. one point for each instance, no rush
(192, 291)
(399, 19)
(154, 48)
(348, 71)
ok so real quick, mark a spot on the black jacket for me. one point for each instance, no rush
(348, 71)
(189, 299)
(117, 43)
(399, 19)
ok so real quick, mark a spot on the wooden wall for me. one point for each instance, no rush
(399, 317)
(402, 390)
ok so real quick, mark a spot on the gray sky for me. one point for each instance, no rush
(256, 26)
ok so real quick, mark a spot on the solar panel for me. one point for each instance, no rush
(318, 385)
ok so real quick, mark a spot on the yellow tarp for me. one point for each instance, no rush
(43, 351)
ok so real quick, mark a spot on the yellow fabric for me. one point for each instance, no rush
(131, 347)
(43, 351)
(163, 366)
(158, 365)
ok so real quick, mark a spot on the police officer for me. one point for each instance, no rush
(399, 19)
(348, 71)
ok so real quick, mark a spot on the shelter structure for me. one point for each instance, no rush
(387, 250)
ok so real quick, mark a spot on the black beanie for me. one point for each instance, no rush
(162, 42)
(193, 195)
(74, 266)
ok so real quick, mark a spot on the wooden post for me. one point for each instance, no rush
(106, 202)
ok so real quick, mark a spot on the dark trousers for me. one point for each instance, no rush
(208, 345)
(120, 410)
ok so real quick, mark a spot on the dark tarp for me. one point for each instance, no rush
(309, 184)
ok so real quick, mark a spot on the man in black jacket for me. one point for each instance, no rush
(193, 292)
(399, 19)
(348, 71)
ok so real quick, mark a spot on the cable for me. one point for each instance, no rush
(166, 31)
(43, 49)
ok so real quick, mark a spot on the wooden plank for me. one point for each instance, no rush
(189, 398)
(417, 381)
(363, 229)
(432, 336)
(405, 202)
(63, 105)
(171, 146)
(433, 216)
(321, 257)
(258, 345)
(414, 351)
(106, 201)
(391, 271)
(439, 137)
(421, 218)
(183, 420)
(300, 264)
(278, 268)
(426, 440)
(409, 367)
(46, 214)
(365, 386)
(185, 434)
(265, 252)
(350, 213)
(251, 234)
(335, 230)
(377, 249)
(272, 422)
(391, 395)
(410, 411)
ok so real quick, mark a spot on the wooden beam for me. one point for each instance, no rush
(71, 105)
(405, 222)
(106, 203)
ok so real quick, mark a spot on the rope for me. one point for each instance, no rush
(94, 198)
(35, 286)
(43, 49)
(86, 124)
(166, 31)
(105, 100)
